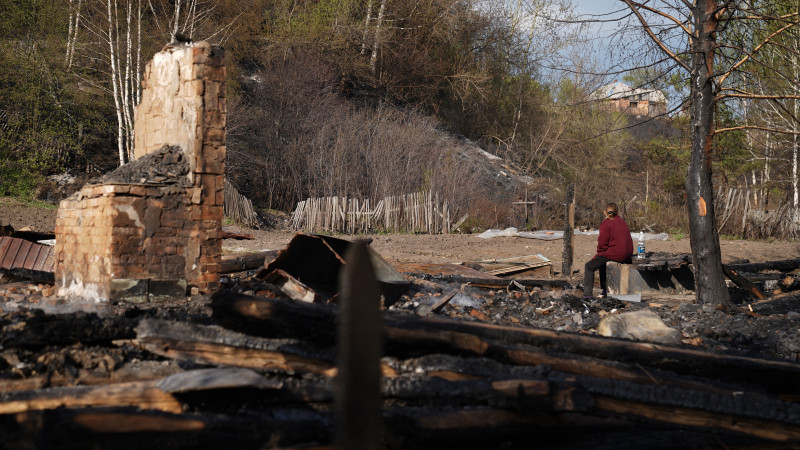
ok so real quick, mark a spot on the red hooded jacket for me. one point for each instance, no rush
(615, 241)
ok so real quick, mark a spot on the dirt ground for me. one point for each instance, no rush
(772, 336)
(456, 248)
(19, 216)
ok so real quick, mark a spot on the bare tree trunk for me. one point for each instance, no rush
(176, 20)
(795, 148)
(72, 33)
(127, 97)
(115, 82)
(707, 261)
(373, 61)
(69, 30)
(765, 175)
(366, 27)
(138, 51)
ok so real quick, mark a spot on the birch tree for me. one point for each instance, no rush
(115, 26)
(122, 29)
(72, 32)
(694, 35)
(780, 115)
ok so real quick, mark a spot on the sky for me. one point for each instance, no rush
(597, 6)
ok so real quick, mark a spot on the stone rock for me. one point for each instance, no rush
(642, 325)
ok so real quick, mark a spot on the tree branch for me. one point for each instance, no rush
(655, 39)
(756, 49)
(756, 127)
(660, 13)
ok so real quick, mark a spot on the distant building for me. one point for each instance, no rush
(623, 98)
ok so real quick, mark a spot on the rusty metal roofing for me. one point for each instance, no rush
(16, 253)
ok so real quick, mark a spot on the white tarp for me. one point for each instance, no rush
(551, 235)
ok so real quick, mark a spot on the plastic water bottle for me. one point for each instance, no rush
(640, 246)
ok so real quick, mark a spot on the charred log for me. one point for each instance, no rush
(408, 335)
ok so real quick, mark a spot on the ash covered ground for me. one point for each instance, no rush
(90, 338)
(53, 340)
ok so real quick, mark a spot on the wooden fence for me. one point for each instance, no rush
(420, 212)
(239, 208)
(736, 215)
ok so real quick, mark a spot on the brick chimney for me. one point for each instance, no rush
(151, 229)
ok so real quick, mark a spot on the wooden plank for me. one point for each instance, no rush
(30, 261)
(510, 268)
(444, 301)
(214, 379)
(11, 253)
(139, 394)
(216, 345)
(22, 253)
(5, 242)
(119, 423)
(209, 344)
(765, 429)
(292, 287)
(42, 260)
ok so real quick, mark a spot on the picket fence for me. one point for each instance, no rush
(421, 212)
(239, 208)
(737, 216)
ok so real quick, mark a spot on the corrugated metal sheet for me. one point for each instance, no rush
(16, 253)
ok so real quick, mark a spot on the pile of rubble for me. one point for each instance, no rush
(467, 360)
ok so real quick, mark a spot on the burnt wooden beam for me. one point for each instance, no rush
(786, 265)
(444, 301)
(246, 261)
(38, 329)
(216, 345)
(131, 429)
(661, 261)
(743, 282)
(777, 304)
(207, 344)
(358, 351)
(569, 227)
(409, 335)
(503, 283)
(139, 394)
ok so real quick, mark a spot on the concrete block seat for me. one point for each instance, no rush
(665, 273)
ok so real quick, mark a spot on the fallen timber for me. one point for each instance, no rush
(786, 265)
(407, 336)
(266, 379)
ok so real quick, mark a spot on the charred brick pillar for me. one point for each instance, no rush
(152, 229)
(183, 104)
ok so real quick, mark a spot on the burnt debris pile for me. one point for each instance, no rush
(467, 360)
(165, 165)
